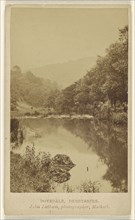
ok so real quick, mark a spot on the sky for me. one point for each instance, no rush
(41, 36)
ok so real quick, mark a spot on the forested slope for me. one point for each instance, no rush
(104, 85)
(26, 87)
(102, 90)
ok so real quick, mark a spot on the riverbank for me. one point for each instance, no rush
(41, 173)
(90, 117)
(118, 118)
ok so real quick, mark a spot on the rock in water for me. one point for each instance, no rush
(59, 167)
(62, 160)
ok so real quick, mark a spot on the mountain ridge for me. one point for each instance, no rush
(67, 72)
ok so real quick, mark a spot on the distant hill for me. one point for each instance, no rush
(65, 73)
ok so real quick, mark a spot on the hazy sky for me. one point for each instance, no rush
(43, 36)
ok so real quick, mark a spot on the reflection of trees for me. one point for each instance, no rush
(84, 129)
(46, 126)
(114, 155)
(110, 143)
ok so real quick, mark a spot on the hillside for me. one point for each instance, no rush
(65, 73)
(26, 87)
(101, 90)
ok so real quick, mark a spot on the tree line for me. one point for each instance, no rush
(103, 88)
(106, 84)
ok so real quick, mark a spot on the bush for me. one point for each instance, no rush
(89, 187)
(29, 173)
(85, 187)
(14, 125)
(27, 114)
(119, 117)
(36, 113)
(36, 173)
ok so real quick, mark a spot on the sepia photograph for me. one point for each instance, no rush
(69, 71)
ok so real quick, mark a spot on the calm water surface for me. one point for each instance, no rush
(98, 150)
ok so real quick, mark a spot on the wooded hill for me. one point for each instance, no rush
(105, 84)
(107, 81)
(26, 87)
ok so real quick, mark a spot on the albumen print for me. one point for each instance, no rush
(68, 109)
(69, 100)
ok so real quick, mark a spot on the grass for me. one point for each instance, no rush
(35, 173)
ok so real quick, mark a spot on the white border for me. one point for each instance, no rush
(2, 93)
(2, 60)
(133, 113)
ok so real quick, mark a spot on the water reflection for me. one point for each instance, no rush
(110, 143)
(99, 150)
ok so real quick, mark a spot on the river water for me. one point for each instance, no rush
(99, 150)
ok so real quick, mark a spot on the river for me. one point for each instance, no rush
(99, 150)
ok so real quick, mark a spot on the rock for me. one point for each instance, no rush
(59, 175)
(62, 160)
(59, 167)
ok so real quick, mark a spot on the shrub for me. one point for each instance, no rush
(29, 173)
(14, 125)
(36, 113)
(36, 173)
(27, 114)
(119, 117)
(89, 187)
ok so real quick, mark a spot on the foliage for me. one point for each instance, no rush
(35, 173)
(89, 187)
(97, 93)
(29, 173)
(31, 89)
(109, 141)
(14, 125)
(104, 83)
(119, 118)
